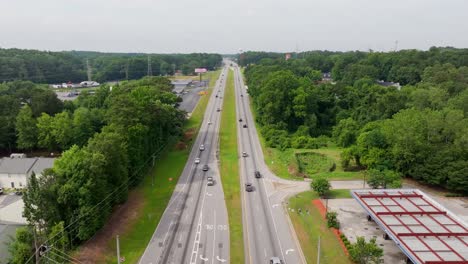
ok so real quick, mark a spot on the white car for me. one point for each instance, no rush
(202, 147)
(209, 122)
(197, 160)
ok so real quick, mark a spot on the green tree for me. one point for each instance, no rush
(45, 136)
(26, 129)
(363, 252)
(345, 132)
(321, 185)
(22, 247)
(383, 178)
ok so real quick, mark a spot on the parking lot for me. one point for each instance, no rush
(11, 209)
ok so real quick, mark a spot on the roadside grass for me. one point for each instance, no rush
(155, 198)
(229, 169)
(309, 226)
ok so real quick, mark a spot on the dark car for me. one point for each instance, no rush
(205, 167)
(242, 95)
(218, 110)
(240, 119)
(1, 190)
(257, 174)
(245, 125)
(249, 187)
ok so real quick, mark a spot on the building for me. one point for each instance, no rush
(180, 85)
(389, 84)
(89, 84)
(15, 171)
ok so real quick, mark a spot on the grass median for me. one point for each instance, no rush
(153, 199)
(230, 171)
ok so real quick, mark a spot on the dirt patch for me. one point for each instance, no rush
(188, 135)
(181, 145)
(123, 217)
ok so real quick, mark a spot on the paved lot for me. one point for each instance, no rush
(11, 208)
(353, 221)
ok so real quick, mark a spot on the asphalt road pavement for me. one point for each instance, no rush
(268, 231)
(194, 226)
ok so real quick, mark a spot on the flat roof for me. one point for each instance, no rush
(424, 230)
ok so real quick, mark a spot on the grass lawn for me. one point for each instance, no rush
(308, 228)
(155, 198)
(230, 171)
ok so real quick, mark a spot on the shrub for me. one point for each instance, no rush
(332, 220)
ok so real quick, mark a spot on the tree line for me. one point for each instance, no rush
(108, 141)
(58, 67)
(419, 131)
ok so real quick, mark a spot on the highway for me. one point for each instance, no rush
(194, 227)
(267, 229)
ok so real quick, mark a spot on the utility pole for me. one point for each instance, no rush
(152, 178)
(318, 251)
(118, 250)
(88, 69)
(150, 71)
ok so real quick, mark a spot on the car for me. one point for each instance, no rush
(275, 260)
(244, 154)
(245, 125)
(209, 122)
(218, 110)
(249, 187)
(240, 119)
(242, 95)
(216, 96)
(210, 181)
(1, 190)
(205, 167)
(197, 160)
(257, 174)
(202, 147)
(19, 192)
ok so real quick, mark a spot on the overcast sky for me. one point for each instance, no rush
(225, 26)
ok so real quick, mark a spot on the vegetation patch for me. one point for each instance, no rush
(229, 169)
(311, 163)
(309, 224)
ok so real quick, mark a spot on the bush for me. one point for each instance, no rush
(332, 220)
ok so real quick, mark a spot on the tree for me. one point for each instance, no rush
(21, 248)
(363, 252)
(26, 129)
(45, 134)
(346, 132)
(383, 178)
(321, 185)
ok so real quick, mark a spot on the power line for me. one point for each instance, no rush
(100, 204)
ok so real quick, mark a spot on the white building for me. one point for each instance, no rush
(89, 84)
(14, 171)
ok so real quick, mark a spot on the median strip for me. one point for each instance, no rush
(229, 168)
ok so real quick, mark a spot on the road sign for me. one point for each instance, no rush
(200, 70)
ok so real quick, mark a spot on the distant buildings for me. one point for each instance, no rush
(326, 77)
(389, 84)
(15, 170)
(75, 85)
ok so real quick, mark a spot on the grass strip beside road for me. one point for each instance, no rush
(310, 225)
(230, 171)
(155, 198)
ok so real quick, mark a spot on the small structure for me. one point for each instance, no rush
(15, 171)
(326, 77)
(89, 84)
(423, 229)
(389, 84)
(180, 85)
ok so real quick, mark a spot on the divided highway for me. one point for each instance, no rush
(268, 232)
(194, 226)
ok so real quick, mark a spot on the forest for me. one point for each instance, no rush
(418, 130)
(108, 140)
(59, 67)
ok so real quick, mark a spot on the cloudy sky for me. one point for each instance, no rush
(226, 26)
